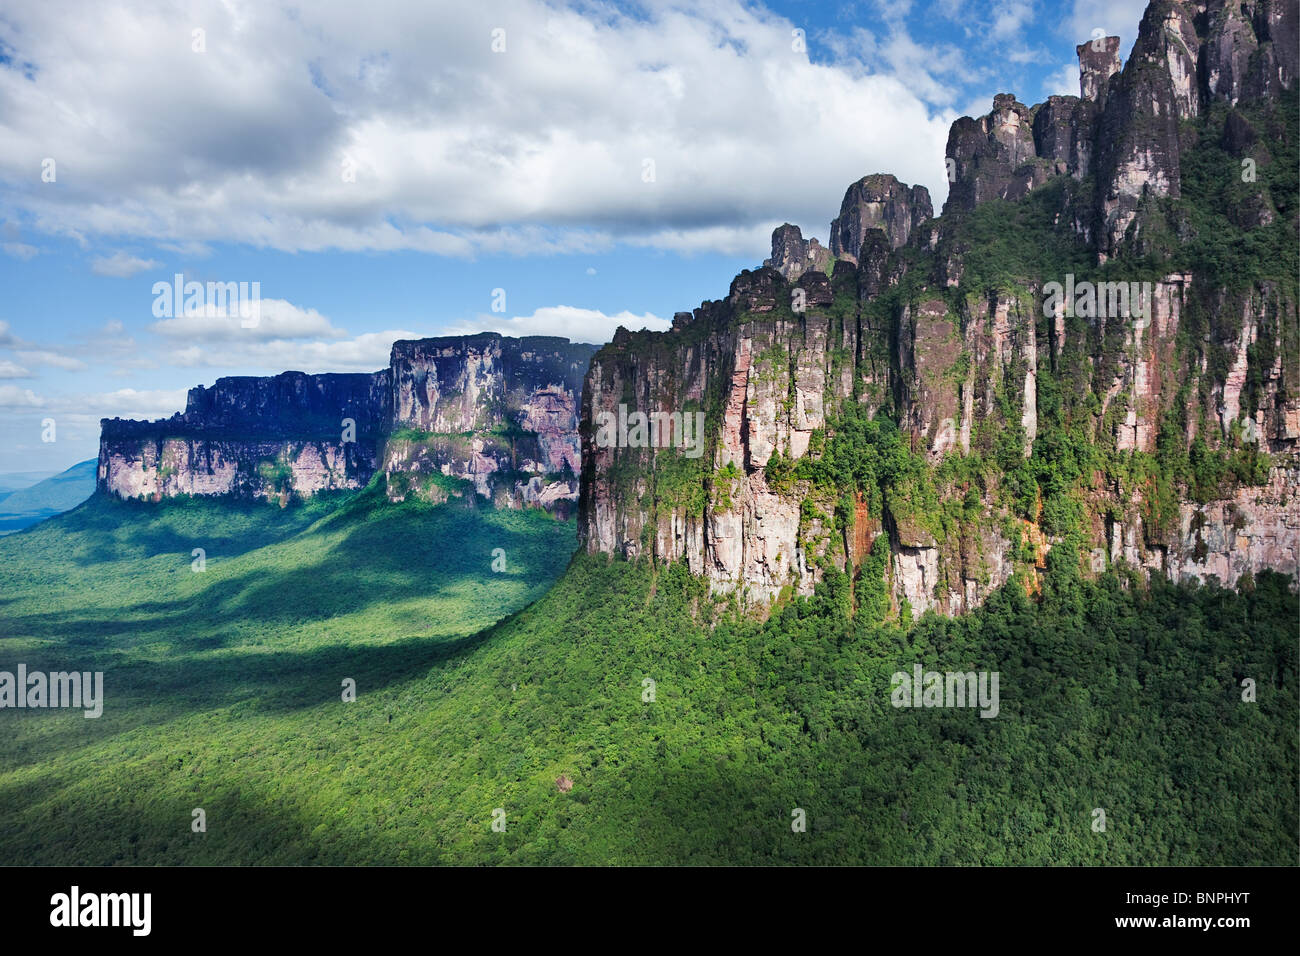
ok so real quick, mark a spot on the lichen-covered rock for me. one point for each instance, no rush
(792, 255)
(993, 157)
(880, 202)
(1184, 407)
(1098, 62)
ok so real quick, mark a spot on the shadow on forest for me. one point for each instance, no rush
(213, 661)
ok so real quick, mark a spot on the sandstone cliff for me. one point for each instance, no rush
(495, 414)
(251, 437)
(934, 416)
(485, 414)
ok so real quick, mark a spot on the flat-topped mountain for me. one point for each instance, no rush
(1096, 343)
(488, 414)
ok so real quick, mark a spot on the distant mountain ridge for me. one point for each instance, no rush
(12, 481)
(50, 496)
(486, 415)
(904, 405)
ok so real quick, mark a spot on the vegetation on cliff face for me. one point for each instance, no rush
(223, 692)
(1235, 221)
(690, 730)
(1015, 246)
(1024, 430)
(1011, 248)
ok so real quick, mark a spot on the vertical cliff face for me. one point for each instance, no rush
(995, 156)
(792, 255)
(878, 202)
(1077, 352)
(1188, 59)
(495, 414)
(483, 414)
(761, 386)
(252, 437)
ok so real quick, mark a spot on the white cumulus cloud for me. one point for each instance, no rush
(11, 396)
(306, 127)
(265, 319)
(121, 265)
(571, 322)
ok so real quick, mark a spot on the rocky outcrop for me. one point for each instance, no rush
(792, 255)
(486, 414)
(252, 437)
(880, 202)
(1125, 125)
(1098, 62)
(960, 379)
(1015, 149)
(291, 404)
(1063, 134)
(1164, 437)
(167, 466)
(495, 414)
(1138, 147)
(1248, 51)
(993, 157)
(1188, 56)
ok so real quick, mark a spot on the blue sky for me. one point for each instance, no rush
(381, 171)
